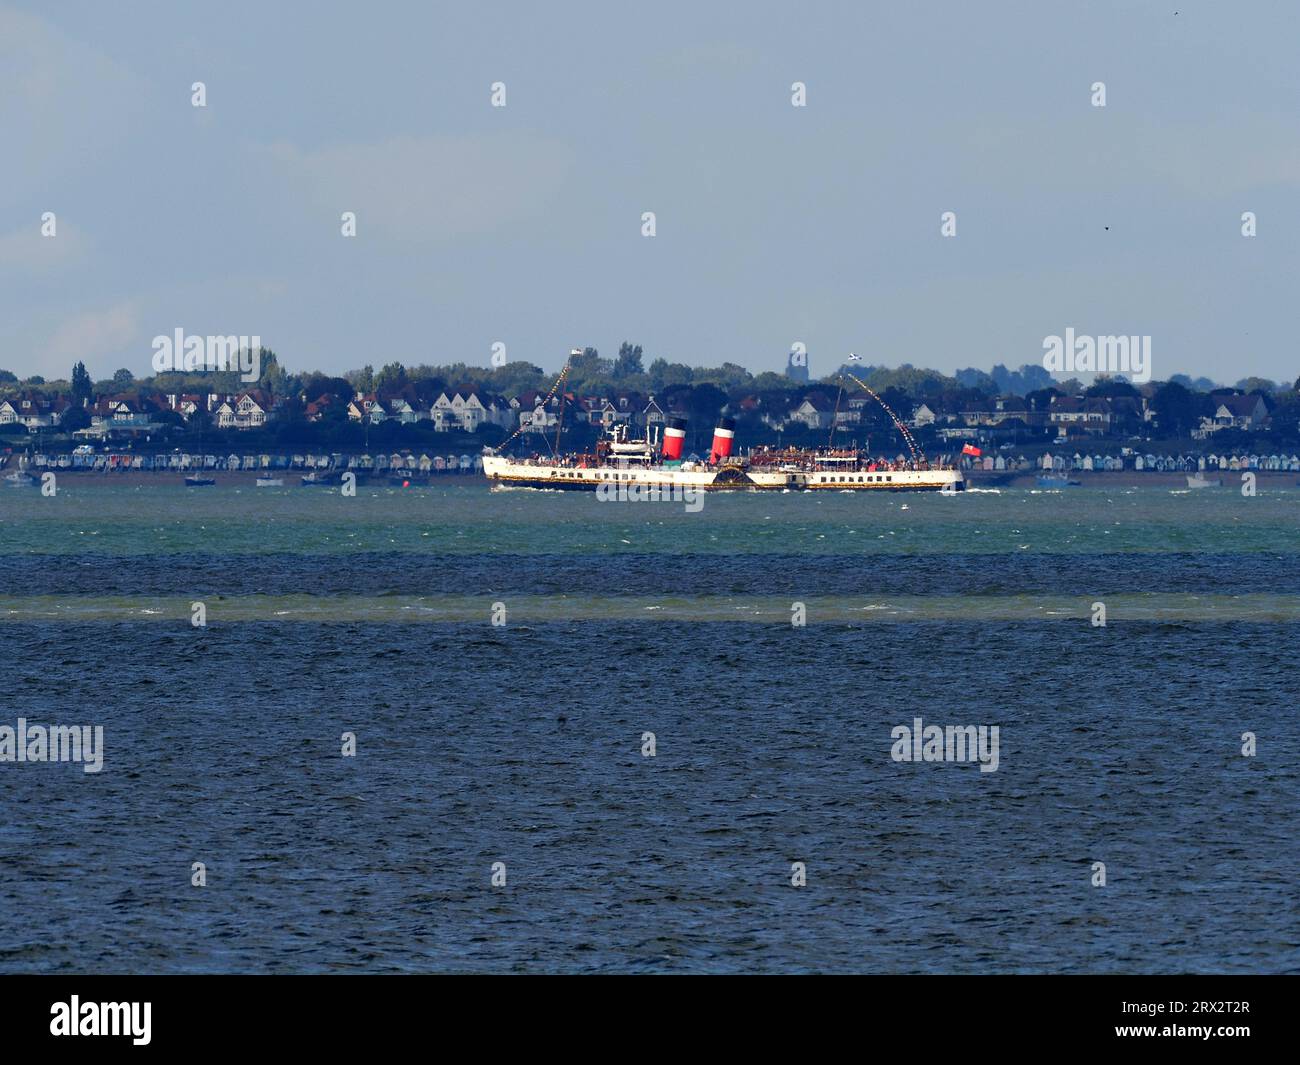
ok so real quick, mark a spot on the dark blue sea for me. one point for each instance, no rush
(516, 749)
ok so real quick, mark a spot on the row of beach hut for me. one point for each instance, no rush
(1154, 463)
(178, 461)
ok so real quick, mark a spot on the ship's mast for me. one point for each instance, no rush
(899, 424)
(559, 421)
(559, 384)
(835, 417)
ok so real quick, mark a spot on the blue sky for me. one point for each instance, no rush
(775, 224)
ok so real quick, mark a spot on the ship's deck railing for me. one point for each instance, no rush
(799, 461)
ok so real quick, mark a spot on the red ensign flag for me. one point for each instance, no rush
(971, 449)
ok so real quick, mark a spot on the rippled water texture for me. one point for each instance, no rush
(522, 743)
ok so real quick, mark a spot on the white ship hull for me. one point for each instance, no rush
(501, 470)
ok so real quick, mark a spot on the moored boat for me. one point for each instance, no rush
(331, 478)
(196, 481)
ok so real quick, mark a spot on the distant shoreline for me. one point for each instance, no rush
(1130, 478)
(1020, 480)
(241, 478)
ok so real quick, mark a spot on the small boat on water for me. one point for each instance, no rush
(331, 478)
(1199, 480)
(270, 482)
(196, 481)
(1057, 480)
(18, 479)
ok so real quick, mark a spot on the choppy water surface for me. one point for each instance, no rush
(522, 744)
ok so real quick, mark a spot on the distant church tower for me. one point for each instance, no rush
(796, 366)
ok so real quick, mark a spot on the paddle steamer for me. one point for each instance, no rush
(657, 462)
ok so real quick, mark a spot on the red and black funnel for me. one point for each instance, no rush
(674, 438)
(723, 436)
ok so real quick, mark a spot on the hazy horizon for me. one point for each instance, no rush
(775, 224)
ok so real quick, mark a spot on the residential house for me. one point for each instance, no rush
(34, 411)
(403, 410)
(315, 410)
(248, 410)
(652, 414)
(443, 415)
(974, 413)
(499, 412)
(469, 410)
(852, 408)
(1071, 415)
(1236, 412)
(367, 408)
(609, 413)
(120, 412)
(1008, 408)
(924, 415)
(536, 414)
(815, 411)
(185, 404)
